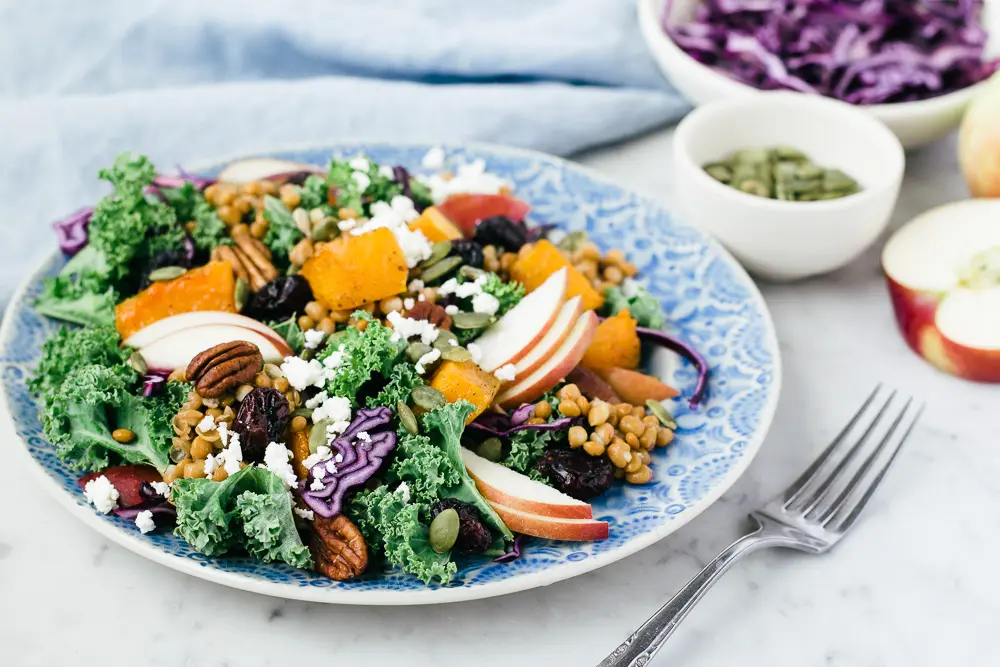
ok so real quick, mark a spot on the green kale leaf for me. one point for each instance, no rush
(388, 522)
(250, 509)
(402, 380)
(69, 349)
(373, 351)
(381, 187)
(282, 233)
(189, 204)
(290, 331)
(424, 466)
(509, 294)
(71, 300)
(642, 305)
(313, 194)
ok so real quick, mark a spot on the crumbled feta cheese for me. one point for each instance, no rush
(223, 433)
(331, 466)
(347, 225)
(301, 373)
(102, 494)
(433, 159)
(408, 303)
(505, 373)
(233, 454)
(334, 408)
(317, 484)
(144, 522)
(404, 490)
(320, 473)
(339, 458)
(161, 488)
(334, 361)
(363, 436)
(317, 400)
(394, 216)
(485, 303)
(314, 337)
(336, 428)
(469, 178)
(206, 424)
(276, 460)
(408, 328)
(361, 178)
(322, 454)
(421, 366)
(415, 246)
(452, 342)
(213, 463)
(386, 170)
(475, 351)
(451, 309)
(421, 297)
(359, 163)
(415, 285)
(461, 290)
(630, 288)
(308, 515)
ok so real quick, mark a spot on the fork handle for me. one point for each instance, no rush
(645, 642)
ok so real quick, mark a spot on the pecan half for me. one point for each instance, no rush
(338, 548)
(221, 369)
(226, 253)
(257, 259)
(433, 313)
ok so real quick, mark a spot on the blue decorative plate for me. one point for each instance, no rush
(707, 297)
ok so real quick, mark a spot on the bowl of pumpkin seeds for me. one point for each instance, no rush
(793, 185)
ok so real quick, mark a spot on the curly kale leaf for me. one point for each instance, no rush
(508, 294)
(642, 305)
(72, 300)
(424, 466)
(313, 194)
(402, 380)
(69, 349)
(379, 185)
(282, 232)
(364, 354)
(189, 205)
(250, 509)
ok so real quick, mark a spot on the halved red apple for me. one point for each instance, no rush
(552, 528)
(555, 368)
(512, 489)
(175, 323)
(553, 338)
(511, 337)
(943, 271)
(466, 210)
(176, 350)
(262, 168)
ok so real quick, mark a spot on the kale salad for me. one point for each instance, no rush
(348, 369)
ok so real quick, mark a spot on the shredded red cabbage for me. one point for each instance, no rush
(860, 51)
(687, 351)
(158, 508)
(162, 181)
(152, 384)
(513, 554)
(357, 459)
(72, 231)
(503, 425)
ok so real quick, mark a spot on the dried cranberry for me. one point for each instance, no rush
(263, 415)
(503, 232)
(470, 252)
(473, 535)
(279, 299)
(576, 473)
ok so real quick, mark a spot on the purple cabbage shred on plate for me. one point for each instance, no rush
(859, 51)
(72, 231)
(358, 455)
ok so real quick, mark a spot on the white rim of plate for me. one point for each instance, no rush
(442, 595)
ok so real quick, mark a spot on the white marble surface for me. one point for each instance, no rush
(917, 585)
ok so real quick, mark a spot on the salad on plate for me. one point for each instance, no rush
(348, 368)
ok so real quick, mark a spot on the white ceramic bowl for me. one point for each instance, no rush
(915, 123)
(783, 240)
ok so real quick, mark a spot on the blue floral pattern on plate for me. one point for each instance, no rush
(708, 300)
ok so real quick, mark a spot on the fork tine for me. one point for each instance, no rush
(794, 491)
(846, 524)
(852, 485)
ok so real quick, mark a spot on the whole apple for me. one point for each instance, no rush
(979, 142)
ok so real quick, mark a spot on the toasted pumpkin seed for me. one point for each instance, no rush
(491, 449)
(325, 230)
(166, 273)
(439, 251)
(455, 353)
(427, 398)
(138, 363)
(273, 371)
(317, 436)
(444, 339)
(572, 241)
(240, 294)
(416, 349)
(444, 531)
(662, 414)
(471, 272)
(440, 269)
(303, 412)
(407, 418)
(465, 320)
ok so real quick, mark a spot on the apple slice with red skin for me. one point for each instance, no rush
(553, 338)
(516, 491)
(465, 210)
(262, 169)
(551, 528)
(510, 338)
(555, 368)
(178, 349)
(175, 323)
(943, 273)
(126, 480)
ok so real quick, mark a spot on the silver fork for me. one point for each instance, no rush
(812, 515)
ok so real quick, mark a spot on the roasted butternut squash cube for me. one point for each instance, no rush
(541, 260)
(352, 271)
(466, 381)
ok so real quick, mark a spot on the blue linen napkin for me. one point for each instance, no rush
(187, 80)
